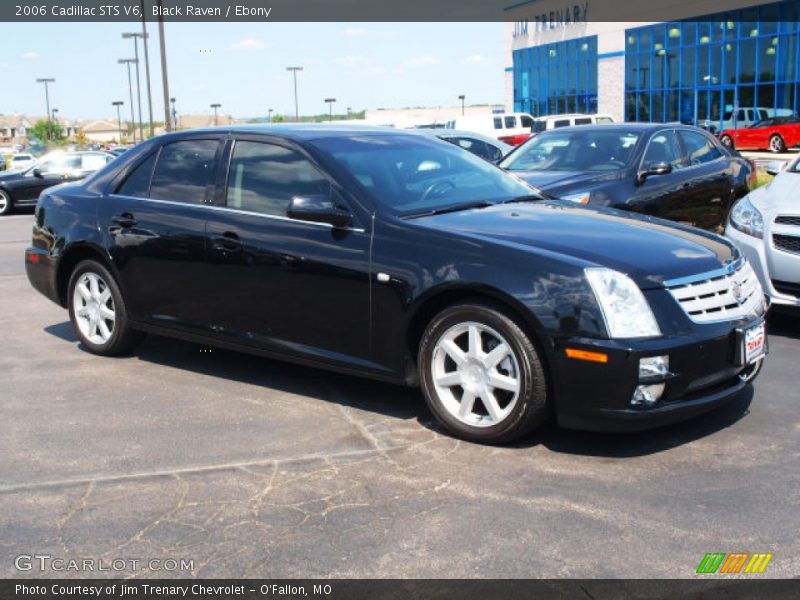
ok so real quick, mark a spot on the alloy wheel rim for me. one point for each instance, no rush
(776, 144)
(476, 374)
(93, 307)
(3, 202)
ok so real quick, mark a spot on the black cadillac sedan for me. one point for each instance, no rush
(404, 258)
(670, 171)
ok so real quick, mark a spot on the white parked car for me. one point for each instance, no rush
(509, 128)
(21, 161)
(568, 120)
(765, 225)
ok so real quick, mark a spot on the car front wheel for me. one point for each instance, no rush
(97, 311)
(727, 141)
(481, 375)
(776, 144)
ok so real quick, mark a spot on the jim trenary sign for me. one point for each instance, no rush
(567, 15)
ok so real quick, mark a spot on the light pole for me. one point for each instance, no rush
(128, 61)
(46, 81)
(215, 106)
(118, 103)
(174, 114)
(136, 37)
(269, 115)
(147, 67)
(330, 102)
(462, 97)
(55, 122)
(164, 77)
(294, 71)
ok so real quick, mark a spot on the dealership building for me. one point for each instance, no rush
(705, 65)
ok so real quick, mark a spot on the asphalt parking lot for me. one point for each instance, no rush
(254, 468)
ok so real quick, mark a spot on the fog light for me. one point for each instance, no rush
(647, 395)
(652, 367)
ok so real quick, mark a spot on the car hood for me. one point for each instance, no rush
(777, 197)
(649, 250)
(555, 182)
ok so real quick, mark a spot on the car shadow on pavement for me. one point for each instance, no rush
(784, 322)
(407, 404)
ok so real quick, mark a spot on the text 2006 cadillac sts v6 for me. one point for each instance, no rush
(405, 258)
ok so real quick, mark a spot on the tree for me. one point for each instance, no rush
(42, 128)
(80, 139)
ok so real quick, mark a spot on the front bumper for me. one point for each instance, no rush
(704, 373)
(765, 260)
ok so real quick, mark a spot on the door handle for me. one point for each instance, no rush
(125, 220)
(227, 241)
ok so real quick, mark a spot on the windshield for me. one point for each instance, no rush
(574, 150)
(414, 174)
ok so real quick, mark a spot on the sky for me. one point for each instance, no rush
(243, 66)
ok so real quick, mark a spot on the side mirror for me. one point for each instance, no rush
(37, 172)
(318, 209)
(775, 167)
(659, 168)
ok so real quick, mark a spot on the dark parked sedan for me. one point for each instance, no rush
(675, 172)
(22, 188)
(401, 257)
(481, 145)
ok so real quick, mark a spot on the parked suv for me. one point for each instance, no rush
(401, 257)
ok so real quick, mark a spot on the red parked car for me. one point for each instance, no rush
(775, 134)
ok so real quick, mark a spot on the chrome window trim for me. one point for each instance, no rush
(240, 212)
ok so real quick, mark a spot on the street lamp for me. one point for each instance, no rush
(215, 106)
(136, 37)
(45, 81)
(462, 97)
(147, 67)
(269, 115)
(164, 76)
(55, 122)
(119, 103)
(128, 61)
(174, 114)
(294, 71)
(330, 102)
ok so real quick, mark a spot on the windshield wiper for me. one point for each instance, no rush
(526, 198)
(449, 209)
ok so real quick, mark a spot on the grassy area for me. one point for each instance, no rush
(762, 178)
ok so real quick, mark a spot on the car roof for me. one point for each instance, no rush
(296, 131)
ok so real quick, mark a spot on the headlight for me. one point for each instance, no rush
(625, 310)
(580, 198)
(747, 218)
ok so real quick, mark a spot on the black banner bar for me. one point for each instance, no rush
(389, 589)
(552, 13)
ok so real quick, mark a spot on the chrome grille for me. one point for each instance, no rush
(730, 293)
(787, 220)
(787, 243)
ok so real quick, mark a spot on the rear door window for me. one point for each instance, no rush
(185, 171)
(561, 123)
(498, 123)
(583, 121)
(137, 183)
(526, 121)
(511, 122)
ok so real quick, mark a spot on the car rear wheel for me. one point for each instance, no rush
(6, 203)
(481, 375)
(776, 144)
(727, 141)
(97, 311)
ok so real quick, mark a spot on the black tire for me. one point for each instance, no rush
(727, 141)
(6, 203)
(122, 339)
(531, 406)
(776, 144)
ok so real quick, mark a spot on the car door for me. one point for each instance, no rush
(154, 223)
(288, 286)
(708, 184)
(660, 195)
(50, 171)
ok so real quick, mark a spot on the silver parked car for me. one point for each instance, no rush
(765, 224)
